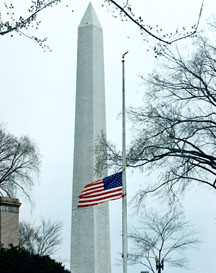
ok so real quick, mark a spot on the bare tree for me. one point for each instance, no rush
(161, 240)
(12, 20)
(19, 162)
(43, 239)
(125, 9)
(176, 128)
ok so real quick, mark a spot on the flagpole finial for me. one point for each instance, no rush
(123, 55)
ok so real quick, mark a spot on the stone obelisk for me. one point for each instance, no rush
(90, 239)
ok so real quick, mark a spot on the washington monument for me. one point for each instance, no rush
(90, 239)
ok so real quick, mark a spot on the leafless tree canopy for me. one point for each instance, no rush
(12, 20)
(19, 161)
(176, 128)
(43, 239)
(125, 9)
(165, 237)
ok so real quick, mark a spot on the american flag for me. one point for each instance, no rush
(100, 191)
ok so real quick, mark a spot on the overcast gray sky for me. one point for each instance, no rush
(38, 99)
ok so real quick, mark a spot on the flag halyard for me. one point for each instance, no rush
(100, 191)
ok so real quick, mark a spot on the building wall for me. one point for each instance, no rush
(9, 221)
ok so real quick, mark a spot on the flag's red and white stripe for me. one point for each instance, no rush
(94, 194)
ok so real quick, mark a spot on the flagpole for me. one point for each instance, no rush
(124, 199)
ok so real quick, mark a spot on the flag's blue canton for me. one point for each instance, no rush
(113, 181)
